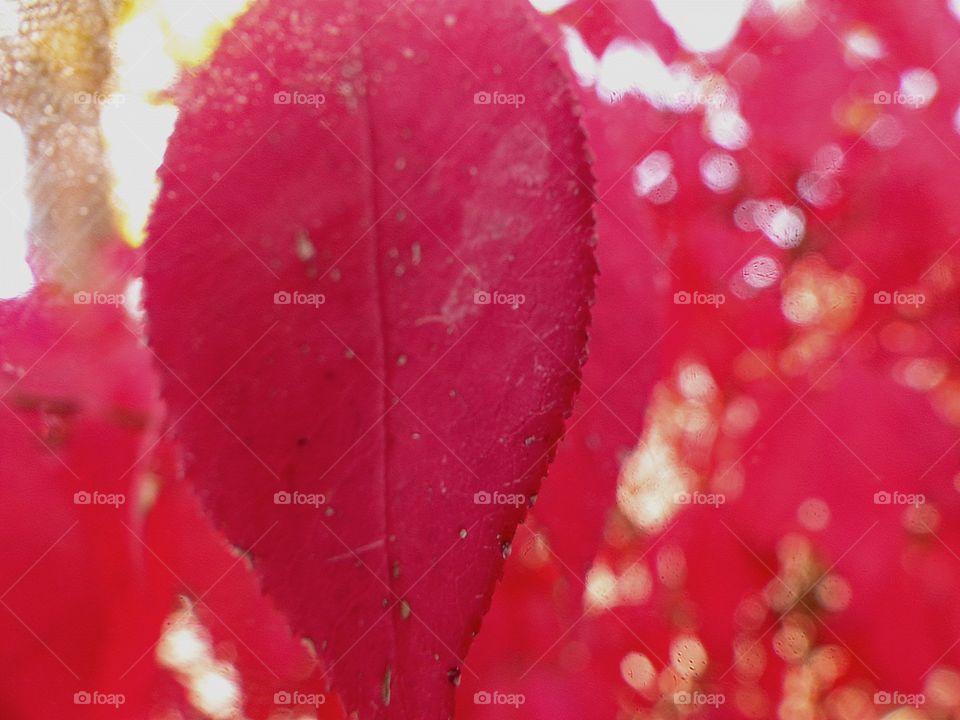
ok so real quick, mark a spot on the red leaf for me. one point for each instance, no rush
(628, 318)
(395, 195)
(77, 401)
(873, 585)
(96, 552)
(226, 629)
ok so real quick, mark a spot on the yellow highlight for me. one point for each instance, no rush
(193, 29)
(154, 42)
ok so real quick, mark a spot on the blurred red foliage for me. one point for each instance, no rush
(754, 511)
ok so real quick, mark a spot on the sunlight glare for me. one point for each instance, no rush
(15, 276)
(703, 25)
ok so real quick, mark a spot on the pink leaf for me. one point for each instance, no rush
(799, 564)
(98, 550)
(628, 327)
(76, 401)
(368, 281)
(236, 634)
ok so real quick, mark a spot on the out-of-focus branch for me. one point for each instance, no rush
(54, 71)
